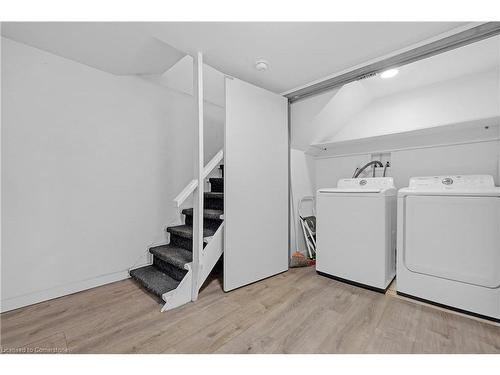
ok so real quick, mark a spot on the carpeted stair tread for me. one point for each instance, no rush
(186, 231)
(174, 255)
(208, 213)
(154, 280)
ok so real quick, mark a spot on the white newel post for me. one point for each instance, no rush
(198, 172)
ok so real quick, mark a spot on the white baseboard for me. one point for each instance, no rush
(63, 290)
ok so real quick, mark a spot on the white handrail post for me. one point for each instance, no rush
(198, 172)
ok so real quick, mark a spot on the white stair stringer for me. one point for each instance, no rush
(209, 257)
(180, 295)
(211, 254)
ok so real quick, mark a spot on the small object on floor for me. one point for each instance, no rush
(299, 260)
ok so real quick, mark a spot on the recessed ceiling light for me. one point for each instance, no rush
(261, 65)
(389, 73)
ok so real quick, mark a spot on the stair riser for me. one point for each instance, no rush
(186, 243)
(216, 185)
(172, 271)
(207, 223)
(214, 203)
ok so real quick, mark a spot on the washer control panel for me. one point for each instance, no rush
(366, 183)
(452, 182)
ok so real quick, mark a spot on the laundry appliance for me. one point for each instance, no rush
(448, 242)
(356, 231)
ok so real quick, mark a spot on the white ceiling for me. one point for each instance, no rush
(297, 52)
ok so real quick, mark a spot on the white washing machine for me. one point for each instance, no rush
(449, 242)
(356, 231)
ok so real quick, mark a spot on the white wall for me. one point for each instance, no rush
(472, 158)
(180, 78)
(304, 129)
(329, 170)
(90, 165)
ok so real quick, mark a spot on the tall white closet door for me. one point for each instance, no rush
(255, 184)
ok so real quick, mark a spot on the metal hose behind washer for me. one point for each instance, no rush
(373, 162)
(385, 168)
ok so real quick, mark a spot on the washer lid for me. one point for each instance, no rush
(476, 185)
(383, 185)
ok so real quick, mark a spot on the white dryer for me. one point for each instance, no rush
(356, 231)
(448, 248)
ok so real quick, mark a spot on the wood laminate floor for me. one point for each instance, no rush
(294, 312)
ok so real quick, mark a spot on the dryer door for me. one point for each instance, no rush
(454, 237)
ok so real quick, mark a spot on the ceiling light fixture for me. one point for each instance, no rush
(261, 65)
(389, 73)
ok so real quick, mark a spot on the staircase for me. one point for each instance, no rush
(169, 275)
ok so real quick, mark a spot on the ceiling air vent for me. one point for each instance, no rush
(369, 75)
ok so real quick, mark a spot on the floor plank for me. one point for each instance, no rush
(294, 312)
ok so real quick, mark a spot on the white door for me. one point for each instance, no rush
(255, 184)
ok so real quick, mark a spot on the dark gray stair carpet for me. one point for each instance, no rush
(208, 213)
(173, 271)
(186, 231)
(214, 200)
(154, 280)
(211, 217)
(216, 184)
(176, 256)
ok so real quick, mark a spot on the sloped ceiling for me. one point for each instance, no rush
(456, 86)
(115, 47)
